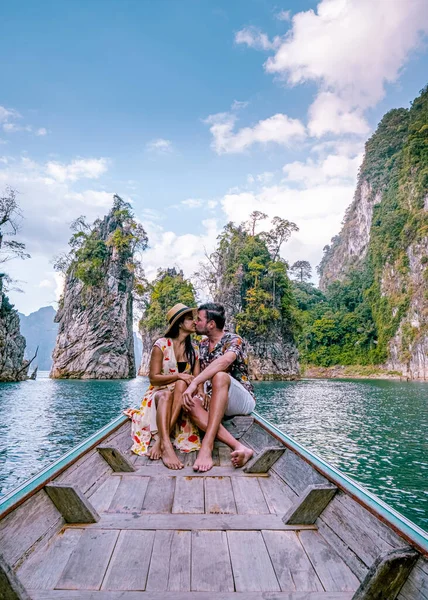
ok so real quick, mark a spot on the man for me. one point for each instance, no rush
(224, 366)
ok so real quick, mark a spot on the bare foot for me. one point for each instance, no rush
(169, 458)
(155, 451)
(204, 462)
(241, 455)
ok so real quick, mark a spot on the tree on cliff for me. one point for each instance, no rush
(302, 270)
(95, 316)
(10, 224)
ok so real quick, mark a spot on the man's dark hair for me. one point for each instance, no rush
(215, 312)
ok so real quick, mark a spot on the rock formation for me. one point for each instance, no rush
(385, 237)
(13, 367)
(95, 337)
(40, 331)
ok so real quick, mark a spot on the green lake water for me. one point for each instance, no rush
(374, 431)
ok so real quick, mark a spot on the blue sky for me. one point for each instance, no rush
(197, 112)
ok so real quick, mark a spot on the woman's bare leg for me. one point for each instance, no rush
(177, 403)
(163, 401)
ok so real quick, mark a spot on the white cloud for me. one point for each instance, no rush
(160, 145)
(13, 128)
(284, 15)
(7, 114)
(278, 129)
(192, 203)
(330, 113)
(41, 131)
(333, 169)
(89, 168)
(46, 283)
(254, 38)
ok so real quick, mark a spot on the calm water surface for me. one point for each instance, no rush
(374, 431)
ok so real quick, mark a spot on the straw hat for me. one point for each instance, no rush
(175, 313)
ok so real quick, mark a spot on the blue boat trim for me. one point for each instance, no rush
(389, 515)
(20, 493)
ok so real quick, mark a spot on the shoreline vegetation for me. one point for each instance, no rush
(352, 372)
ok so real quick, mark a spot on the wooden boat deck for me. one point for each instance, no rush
(180, 534)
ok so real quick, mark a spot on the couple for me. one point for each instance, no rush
(194, 387)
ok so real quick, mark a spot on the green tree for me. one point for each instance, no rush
(302, 270)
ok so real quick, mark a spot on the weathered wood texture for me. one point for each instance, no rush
(258, 438)
(252, 567)
(44, 567)
(129, 496)
(189, 495)
(34, 521)
(416, 586)
(264, 460)
(116, 459)
(11, 587)
(71, 503)
(129, 564)
(159, 495)
(334, 574)
(359, 536)
(211, 568)
(297, 473)
(170, 563)
(292, 566)
(159, 470)
(308, 507)
(279, 497)
(88, 473)
(249, 497)
(195, 522)
(165, 595)
(239, 425)
(88, 562)
(102, 497)
(387, 575)
(219, 497)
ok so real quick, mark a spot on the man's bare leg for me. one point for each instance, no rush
(163, 401)
(211, 424)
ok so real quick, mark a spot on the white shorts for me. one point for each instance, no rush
(241, 402)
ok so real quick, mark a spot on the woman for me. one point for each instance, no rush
(174, 362)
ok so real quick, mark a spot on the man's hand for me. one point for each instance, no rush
(205, 400)
(188, 396)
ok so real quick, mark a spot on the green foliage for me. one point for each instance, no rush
(91, 246)
(169, 288)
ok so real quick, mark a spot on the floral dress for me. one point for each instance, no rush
(185, 434)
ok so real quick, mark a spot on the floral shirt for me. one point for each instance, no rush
(230, 342)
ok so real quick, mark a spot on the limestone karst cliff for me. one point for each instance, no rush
(13, 367)
(385, 239)
(95, 337)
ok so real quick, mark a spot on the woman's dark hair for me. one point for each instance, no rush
(215, 312)
(188, 346)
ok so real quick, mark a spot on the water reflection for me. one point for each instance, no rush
(375, 431)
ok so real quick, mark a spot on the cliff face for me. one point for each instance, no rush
(385, 237)
(13, 367)
(40, 331)
(95, 337)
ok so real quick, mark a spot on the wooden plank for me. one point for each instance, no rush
(159, 495)
(43, 568)
(11, 587)
(264, 460)
(88, 473)
(279, 497)
(102, 497)
(248, 496)
(308, 507)
(189, 458)
(211, 568)
(416, 585)
(189, 495)
(179, 567)
(71, 503)
(348, 555)
(361, 531)
(129, 496)
(258, 438)
(296, 472)
(194, 522)
(251, 564)
(334, 574)
(87, 564)
(290, 562)
(170, 562)
(140, 461)
(116, 459)
(238, 426)
(158, 470)
(216, 457)
(110, 595)
(219, 498)
(387, 575)
(129, 564)
(34, 521)
(224, 456)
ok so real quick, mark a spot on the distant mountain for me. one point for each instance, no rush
(40, 330)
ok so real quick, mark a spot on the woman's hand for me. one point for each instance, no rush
(186, 377)
(205, 399)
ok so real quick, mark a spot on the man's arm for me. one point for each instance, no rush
(219, 364)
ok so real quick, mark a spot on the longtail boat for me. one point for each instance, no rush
(104, 524)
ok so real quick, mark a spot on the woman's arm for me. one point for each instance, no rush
(155, 377)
